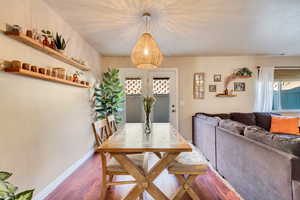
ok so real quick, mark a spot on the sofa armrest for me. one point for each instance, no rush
(256, 169)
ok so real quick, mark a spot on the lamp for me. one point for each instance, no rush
(146, 53)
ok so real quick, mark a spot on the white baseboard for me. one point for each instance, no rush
(51, 187)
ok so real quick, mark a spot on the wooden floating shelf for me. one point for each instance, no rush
(24, 72)
(226, 95)
(51, 52)
(237, 76)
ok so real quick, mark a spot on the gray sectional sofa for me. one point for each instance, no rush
(259, 165)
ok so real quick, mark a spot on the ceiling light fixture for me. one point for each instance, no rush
(146, 53)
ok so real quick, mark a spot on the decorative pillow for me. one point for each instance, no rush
(289, 144)
(245, 118)
(285, 125)
(232, 126)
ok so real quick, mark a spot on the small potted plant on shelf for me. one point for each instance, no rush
(48, 39)
(60, 43)
(245, 72)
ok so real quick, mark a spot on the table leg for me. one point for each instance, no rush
(145, 181)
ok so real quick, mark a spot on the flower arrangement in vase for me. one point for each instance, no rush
(148, 102)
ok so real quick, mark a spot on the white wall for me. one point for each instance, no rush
(187, 66)
(45, 126)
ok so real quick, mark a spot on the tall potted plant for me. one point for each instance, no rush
(109, 96)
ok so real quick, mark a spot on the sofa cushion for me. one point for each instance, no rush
(245, 118)
(287, 143)
(263, 120)
(232, 126)
(214, 121)
(220, 115)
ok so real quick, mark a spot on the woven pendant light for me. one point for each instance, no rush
(146, 53)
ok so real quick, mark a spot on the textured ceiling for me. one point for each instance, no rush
(188, 27)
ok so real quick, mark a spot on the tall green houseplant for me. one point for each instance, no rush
(109, 96)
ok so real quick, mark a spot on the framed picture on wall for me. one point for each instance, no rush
(212, 88)
(217, 78)
(239, 86)
(199, 86)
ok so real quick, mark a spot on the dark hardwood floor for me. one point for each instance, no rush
(85, 184)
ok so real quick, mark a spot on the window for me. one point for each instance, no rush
(161, 86)
(286, 89)
(133, 86)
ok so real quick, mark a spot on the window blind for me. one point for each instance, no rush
(287, 74)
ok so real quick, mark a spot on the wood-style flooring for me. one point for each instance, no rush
(85, 184)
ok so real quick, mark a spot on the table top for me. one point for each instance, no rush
(131, 138)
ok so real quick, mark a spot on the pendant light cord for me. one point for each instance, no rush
(147, 16)
(147, 24)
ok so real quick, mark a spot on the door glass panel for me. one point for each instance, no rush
(133, 90)
(161, 91)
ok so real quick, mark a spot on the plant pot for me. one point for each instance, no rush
(34, 69)
(42, 70)
(26, 66)
(45, 42)
(61, 72)
(29, 33)
(16, 64)
(48, 72)
(61, 51)
(52, 45)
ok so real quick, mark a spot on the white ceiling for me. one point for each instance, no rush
(188, 27)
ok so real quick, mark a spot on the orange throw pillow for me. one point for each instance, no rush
(288, 125)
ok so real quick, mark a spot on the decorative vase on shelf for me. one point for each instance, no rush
(226, 91)
(148, 104)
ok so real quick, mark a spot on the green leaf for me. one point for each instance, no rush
(26, 195)
(4, 175)
(3, 195)
(11, 188)
(3, 187)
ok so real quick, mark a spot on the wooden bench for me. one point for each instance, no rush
(186, 168)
